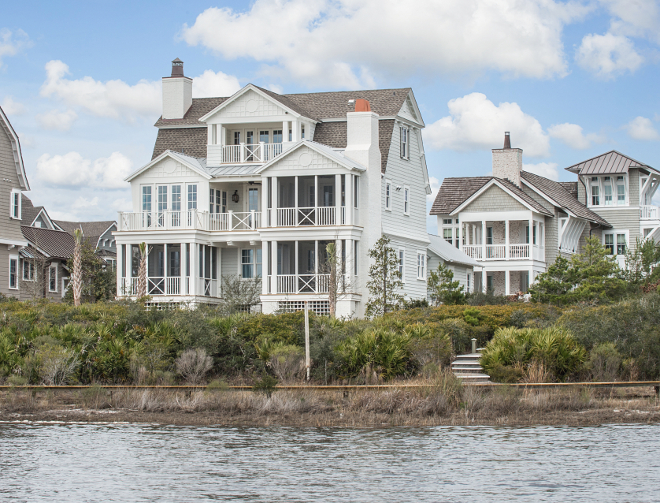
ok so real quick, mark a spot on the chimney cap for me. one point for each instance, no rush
(362, 105)
(507, 140)
(177, 68)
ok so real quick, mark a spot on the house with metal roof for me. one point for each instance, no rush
(620, 189)
(513, 223)
(259, 183)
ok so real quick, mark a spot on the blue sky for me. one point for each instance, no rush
(81, 81)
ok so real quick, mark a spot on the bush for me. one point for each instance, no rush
(193, 365)
(555, 349)
(381, 351)
(605, 362)
(286, 361)
(56, 364)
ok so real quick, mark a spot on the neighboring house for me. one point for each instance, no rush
(620, 190)
(513, 223)
(441, 251)
(13, 181)
(259, 183)
(43, 272)
(35, 216)
(98, 234)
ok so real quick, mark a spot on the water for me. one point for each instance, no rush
(134, 462)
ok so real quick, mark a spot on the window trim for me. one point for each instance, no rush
(15, 198)
(421, 265)
(401, 255)
(404, 143)
(51, 268)
(31, 270)
(255, 263)
(406, 200)
(388, 195)
(615, 233)
(13, 258)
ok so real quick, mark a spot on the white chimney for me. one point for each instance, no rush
(177, 92)
(507, 161)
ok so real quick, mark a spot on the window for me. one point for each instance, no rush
(402, 264)
(534, 234)
(146, 198)
(264, 136)
(356, 190)
(162, 198)
(212, 208)
(468, 283)
(13, 272)
(609, 243)
(421, 265)
(15, 208)
(607, 190)
(404, 143)
(616, 242)
(52, 278)
(290, 135)
(406, 200)
(448, 235)
(28, 270)
(237, 137)
(176, 197)
(620, 190)
(302, 132)
(446, 221)
(388, 195)
(595, 191)
(277, 136)
(192, 197)
(490, 286)
(620, 244)
(489, 235)
(249, 264)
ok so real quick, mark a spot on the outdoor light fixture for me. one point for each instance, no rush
(235, 197)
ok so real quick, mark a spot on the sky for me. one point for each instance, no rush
(80, 82)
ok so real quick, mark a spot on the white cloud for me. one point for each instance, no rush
(12, 107)
(638, 18)
(72, 170)
(341, 43)
(435, 187)
(641, 128)
(572, 135)
(476, 123)
(55, 120)
(12, 42)
(546, 169)
(82, 203)
(608, 55)
(211, 84)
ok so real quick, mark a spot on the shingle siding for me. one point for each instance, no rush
(9, 228)
(494, 199)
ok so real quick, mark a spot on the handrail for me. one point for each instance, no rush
(189, 219)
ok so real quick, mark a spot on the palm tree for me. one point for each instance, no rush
(77, 267)
(142, 272)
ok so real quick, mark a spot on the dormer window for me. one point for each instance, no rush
(595, 191)
(607, 190)
(620, 190)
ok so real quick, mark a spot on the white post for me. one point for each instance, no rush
(337, 220)
(295, 128)
(264, 202)
(193, 268)
(483, 240)
(273, 261)
(264, 267)
(295, 200)
(307, 355)
(285, 132)
(296, 261)
(273, 200)
(460, 235)
(506, 240)
(349, 199)
(507, 283)
(242, 153)
(316, 196)
(120, 266)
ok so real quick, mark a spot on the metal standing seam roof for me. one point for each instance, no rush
(240, 170)
(450, 253)
(609, 163)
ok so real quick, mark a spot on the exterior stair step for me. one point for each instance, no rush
(468, 369)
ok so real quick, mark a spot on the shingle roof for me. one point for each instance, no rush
(571, 187)
(455, 191)
(28, 211)
(608, 163)
(199, 108)
(57, 244)
(192, 141)
(562, 197)
(449, 253)
(92, 231)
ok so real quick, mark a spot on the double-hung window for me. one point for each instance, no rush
(192, 197)
(13, 272)
(402, 264)
(405, 143)
(448, 235)
(251, 263)
(146, 198)
(28, 270)
(406, 200)
(421, 265)
(15, 204)
(388, 195)
(615, 242)
(52, 278)
(620, 244)
(620, 190)
(607, 190)
(609, 243)
(595, 191)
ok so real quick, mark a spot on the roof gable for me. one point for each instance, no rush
(171, 163)
(409, 110)
(16, 150)
(607, 163)
(309, 155)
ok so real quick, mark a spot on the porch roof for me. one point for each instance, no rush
(608, 163)
(450, 253)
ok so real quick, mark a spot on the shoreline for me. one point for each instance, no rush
(360, 409)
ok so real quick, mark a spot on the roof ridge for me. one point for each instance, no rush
(604, 154)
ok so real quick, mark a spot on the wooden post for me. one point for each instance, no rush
(307, 356)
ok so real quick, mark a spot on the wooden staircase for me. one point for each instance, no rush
(468, 369)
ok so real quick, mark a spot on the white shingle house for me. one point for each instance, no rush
(259, 183)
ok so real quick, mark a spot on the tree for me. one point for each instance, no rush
(142, 271)
(384, 282)
(76, 275)
(338, 282)
(240, 294)
(592, 275)
(443, 289)
(642, 263)
(98, 279)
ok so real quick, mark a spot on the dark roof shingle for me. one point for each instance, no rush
(57, 244)
(92, 231)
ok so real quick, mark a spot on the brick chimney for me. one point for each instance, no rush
(177, 92)
(507, 161)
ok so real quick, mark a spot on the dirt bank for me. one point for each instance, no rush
(369, 408)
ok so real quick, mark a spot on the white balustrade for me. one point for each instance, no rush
(294, 217)
(129, 286)
(258, 152)
(648, 213)
(473, 251)
(303, 283)
(518, 251)
(189, 220)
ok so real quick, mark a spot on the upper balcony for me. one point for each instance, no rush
(648, 212)
(188, 220)
(243, 153)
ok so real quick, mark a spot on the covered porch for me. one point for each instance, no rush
(507, 239)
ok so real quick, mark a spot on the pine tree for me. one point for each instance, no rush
(384, 282)
(443, 289)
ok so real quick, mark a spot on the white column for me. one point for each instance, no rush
(264, 202)
(507, 283)
(182, 269)
(338, 261)
(296, 261)
(222, 135)
(295, 131)
(264, 267)
(194, 254)
(295, 200)
(285, 132)
(349, 199)
(483, 240)
(337, 199)
(273, 197)
(506, 240)
(120, 266)
(531, 235)
(531, 276)
(209, 140)
(460, 235)
(316, 264)
(274, 267)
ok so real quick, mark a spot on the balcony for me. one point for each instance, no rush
(173, 285)
(189, 220)
(243, 153)
(320, 215)
(648, 213)
(499, 252)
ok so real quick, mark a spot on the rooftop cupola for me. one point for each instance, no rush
(177, 92)
(507, 161)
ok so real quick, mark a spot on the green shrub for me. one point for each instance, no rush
(286, 361)
(556, 350)
(386, 353)
(605, 362)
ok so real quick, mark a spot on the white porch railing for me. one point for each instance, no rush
(207, 287)
(172, 285)
(190, 219)
(302, 283)
(648, 213)
(294, 217)
(498, 252)
(518, 251)
(473, 251)
(495, 252)
(164, 286)
(128, 286)
(258, 152)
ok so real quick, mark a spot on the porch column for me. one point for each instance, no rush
(349, 199)
(273, 200)
(507, 282)
(506, 240)
(264, 203)
(295, 201)
(340, 265)
(264, 267)
(211, 130)
(222, 135)
(460, 235)
(120, 268)
(295, 131)
(316, 195)
(483, 240)
(531, 235)
(296, 262)
(338, 200)
(182, 268)
(285, 132)
(484, 280)
(316, 265)
(194, 254)
(531, 277)
(273, 261)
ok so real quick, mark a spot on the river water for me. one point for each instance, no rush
(138, 462)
